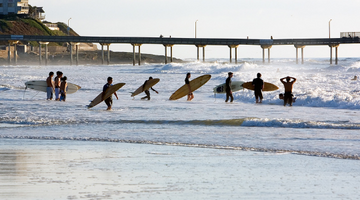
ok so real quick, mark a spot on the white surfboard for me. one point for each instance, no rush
(42, 85)
(235, 86)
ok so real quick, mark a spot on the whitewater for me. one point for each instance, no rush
(324, 120)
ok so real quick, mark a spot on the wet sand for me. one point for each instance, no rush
(48, 169)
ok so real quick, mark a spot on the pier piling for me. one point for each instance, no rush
(15, 54)
(9, 53)
(71, 53)
(198, 46)
(297, 53)
(134, 54)
(102, 53)
(336, 53)
(108, 53)
(268, 47)
(46, 52)
(235, 47)
(40, 58)
(77, 48)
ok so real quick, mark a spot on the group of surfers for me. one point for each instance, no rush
(109, 100)
(58, 86)
(258, 83)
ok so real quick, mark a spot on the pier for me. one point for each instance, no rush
(170, 42)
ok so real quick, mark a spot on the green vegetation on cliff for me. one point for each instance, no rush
(29, 26)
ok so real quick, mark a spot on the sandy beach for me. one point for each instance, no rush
(151, 149)
(55, 169)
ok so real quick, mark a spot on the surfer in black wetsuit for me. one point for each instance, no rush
(187, 82)
(228, 88)
(288, 89)
(147, 91)
(258, 84)
(108, 101)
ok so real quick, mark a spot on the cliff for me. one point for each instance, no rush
(59, 52)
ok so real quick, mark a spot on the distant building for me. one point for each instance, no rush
(19, 7)
(37, 13)
(52, 26)
(349, 34)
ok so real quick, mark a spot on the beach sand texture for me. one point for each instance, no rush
(46, 169)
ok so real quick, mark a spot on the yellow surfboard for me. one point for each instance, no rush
(148, 85)
(267, 86)
(194, 85)
(111, 90)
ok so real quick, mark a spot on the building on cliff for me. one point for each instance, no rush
(19, 7)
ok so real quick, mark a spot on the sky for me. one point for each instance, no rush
(256, 19)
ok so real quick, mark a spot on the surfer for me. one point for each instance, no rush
(147, 91)
(258, 84)
(108, 101)
(228, 88)
(288, 89)
(63, 87)
(57, 80)
(187, 82)
(50, 86)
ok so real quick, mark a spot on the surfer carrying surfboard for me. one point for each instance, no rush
(228, 88)
(50, 86)
(288, 89)
(108, 101)
(187, 82)
(258, 84)
(147, 91)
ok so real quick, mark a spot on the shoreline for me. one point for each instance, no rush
(86, 58)
(79, 170)
(202, 146)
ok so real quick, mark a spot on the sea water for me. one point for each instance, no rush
(324, 120)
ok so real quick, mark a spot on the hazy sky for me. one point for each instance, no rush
(258, 19)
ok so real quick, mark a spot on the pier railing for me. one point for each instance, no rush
(170, 42)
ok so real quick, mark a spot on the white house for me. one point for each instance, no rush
(14, 7)
(52, 26)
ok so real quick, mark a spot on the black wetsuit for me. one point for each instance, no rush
(147, 91)
(108, 101)
(258, 84)
(288, 98)
(228, 90)
(187, 82)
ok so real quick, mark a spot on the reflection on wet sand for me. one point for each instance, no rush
(46, 169)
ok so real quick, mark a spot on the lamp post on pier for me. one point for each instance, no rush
(329, 27)
(196, 27)
(68, 28)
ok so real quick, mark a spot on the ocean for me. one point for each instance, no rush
(324, 121)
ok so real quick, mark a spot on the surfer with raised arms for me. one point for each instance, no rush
(288, 89)
(147, 91)
(108, 101)
(228, 88)
(258, 84)
(50, 86)
(187, 82)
